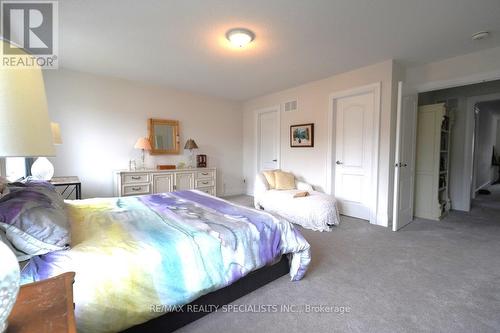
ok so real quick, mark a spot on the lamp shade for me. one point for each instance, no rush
(56, 133)
(190, 144)
(24, 118)
(143, 143)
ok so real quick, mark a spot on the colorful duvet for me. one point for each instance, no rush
(131, 254)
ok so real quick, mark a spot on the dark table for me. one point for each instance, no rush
(71, 184)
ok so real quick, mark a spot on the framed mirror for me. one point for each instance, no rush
(163, 136)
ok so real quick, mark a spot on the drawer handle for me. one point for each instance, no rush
(204, 183)
(204, 173)
(136, 189)
(136, 177)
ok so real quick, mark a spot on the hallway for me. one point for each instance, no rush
(483, 203)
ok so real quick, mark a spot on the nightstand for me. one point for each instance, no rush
(44, 307)
(71, 184)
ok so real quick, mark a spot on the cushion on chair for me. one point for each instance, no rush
(270, 177)
(301, 194)
(284, 180)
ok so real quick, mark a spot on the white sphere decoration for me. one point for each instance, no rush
(9, 283)
(42, 169)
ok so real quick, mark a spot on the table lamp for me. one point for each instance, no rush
(24, 132)
(191, 145)
(143, 144)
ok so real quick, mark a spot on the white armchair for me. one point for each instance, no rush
(317, 211)
(261, 186)
(303, 186)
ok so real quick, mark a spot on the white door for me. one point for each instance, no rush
(268, 139)
(163, 183)
(184, 181)
(404, 173)
(354, 154)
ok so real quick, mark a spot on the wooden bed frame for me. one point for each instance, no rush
(172, 321)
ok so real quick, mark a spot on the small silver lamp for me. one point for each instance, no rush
(191, 145)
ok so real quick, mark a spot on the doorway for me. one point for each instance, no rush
(353, 162)
(462, 101)
(486, 157)
(268, 138)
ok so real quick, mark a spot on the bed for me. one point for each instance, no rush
(136, 258)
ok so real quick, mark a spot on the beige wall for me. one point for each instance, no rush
(456, 71)
(101, 118)
(310, 164)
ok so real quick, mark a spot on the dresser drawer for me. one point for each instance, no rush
(205, 174)
(207, 190)
(204, 183)
(135, 178)
(136, 189)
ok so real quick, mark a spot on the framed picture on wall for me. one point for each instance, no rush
(302, 135)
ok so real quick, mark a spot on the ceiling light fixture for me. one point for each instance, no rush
(240, 37)
(480, 35)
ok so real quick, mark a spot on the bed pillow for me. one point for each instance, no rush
(270, 177)
(34, 220)
(19, 255)
(284, 180)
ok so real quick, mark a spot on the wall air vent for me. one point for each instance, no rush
(290, 106)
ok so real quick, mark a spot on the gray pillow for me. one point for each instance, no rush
(34, 219)
(20, 255)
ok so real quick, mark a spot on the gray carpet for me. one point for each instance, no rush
(429, 277)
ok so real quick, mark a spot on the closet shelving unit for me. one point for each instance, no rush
(444, 165)
(432, 200)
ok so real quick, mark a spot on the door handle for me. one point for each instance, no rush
(275, 160)
(338, 163)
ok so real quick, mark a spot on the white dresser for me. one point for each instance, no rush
(158, 181)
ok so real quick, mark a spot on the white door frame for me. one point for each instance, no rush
(374, 88)
(468, 162)
(3, 173)
(457, 82)
(257, 113)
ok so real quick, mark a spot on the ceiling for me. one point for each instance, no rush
(181, 43)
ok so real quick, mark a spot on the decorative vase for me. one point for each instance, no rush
(9, 283)
(42, 169)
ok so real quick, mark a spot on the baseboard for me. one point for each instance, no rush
(231, 191)
(227, 195)
(382, 220)
(488, 183)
